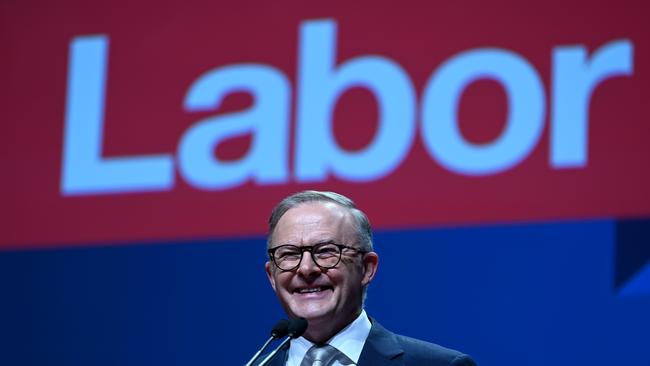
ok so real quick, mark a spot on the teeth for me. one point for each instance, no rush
(310, 290)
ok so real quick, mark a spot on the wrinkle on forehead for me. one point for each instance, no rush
(313, 222)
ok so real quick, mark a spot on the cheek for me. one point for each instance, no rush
(282, 281)
(346, 280)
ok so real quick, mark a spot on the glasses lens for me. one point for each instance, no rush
(327, 255)
(287, 256)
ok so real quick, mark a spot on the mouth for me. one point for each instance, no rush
(311, 290)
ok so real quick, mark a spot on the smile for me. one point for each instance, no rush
(310, 290)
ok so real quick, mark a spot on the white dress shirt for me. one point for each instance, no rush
(349, 341)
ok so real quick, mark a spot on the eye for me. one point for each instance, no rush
(326, 250)
(287, 253)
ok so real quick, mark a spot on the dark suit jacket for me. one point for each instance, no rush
(386, 348)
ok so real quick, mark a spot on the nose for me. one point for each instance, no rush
(308, 268)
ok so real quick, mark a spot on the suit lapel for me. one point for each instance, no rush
(381, 348)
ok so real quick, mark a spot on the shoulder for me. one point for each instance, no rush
(387, 345)
(417, 351)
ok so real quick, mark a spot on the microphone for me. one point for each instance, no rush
(280, 329)
(297, 327)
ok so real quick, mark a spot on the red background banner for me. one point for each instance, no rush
(158, 50)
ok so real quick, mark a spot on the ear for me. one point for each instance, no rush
(269, 274)
(370, 264)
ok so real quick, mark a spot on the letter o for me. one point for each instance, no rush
(526, 110)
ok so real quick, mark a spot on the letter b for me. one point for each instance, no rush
(320, 85)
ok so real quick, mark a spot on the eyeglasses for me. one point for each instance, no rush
(325, 255)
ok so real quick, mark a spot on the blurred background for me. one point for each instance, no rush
(500, 150)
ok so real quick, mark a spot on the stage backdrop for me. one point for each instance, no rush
(500, 150)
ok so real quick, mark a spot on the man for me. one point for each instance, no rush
(321, 262)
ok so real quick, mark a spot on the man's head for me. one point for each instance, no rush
(329, 298)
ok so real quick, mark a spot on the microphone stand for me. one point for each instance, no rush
(272, 354)
(280, 329)
(258, 353)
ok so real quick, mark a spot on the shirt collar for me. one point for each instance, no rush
(350, 341)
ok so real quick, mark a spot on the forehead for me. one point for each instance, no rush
(312, 222)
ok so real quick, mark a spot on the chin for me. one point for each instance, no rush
(311, 312)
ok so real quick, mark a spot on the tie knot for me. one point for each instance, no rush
(324, 355)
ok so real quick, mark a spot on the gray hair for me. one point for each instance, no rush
(364, 230)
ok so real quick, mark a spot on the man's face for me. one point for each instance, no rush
(329, 298)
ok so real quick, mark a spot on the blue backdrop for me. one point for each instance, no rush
(566, 293)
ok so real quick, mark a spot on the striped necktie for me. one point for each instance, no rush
(324, 356)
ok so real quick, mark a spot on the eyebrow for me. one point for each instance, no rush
(328, 241)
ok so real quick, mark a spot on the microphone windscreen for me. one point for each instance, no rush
(280, 329)
(297, 327)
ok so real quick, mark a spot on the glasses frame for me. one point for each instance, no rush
(310, 249)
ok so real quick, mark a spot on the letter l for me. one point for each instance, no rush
(84, 171)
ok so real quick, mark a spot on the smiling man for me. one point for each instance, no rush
(321, 261)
